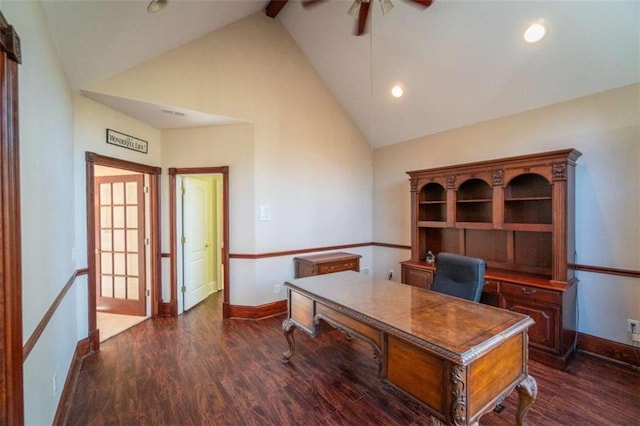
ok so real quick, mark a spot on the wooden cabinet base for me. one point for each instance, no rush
(559, 362)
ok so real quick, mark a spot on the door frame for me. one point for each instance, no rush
(92, 159)
(11, 354)
(173, 236)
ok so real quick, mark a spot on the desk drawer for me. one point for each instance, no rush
(350, 325)
(530, 293)
(301, 309)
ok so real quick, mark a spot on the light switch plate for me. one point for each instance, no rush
(265, 213)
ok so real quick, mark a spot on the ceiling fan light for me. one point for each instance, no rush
(156, 5)
(354, 10)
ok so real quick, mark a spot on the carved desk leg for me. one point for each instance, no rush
(287, 328)
(527, 392)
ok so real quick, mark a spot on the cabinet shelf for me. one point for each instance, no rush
(474, 203)
(533, 227)
(479, 200)
(432, 203)
(516, 199)
(474, 212)
(474, 225)
(432, 224)
(530, 210)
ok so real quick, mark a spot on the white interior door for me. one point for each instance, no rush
(196, 249)
(218, 270)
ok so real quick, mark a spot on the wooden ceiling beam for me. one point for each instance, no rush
(274, 7)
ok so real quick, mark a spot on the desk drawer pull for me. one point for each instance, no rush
(528, 292)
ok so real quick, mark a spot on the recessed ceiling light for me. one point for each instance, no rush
(156, 5)
(535, 32)
(397, 91)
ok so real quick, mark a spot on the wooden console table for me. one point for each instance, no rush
(326, 263)
(459, 358)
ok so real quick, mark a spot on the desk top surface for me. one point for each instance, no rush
(451, 325)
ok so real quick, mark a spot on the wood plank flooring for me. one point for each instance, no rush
(200, 370)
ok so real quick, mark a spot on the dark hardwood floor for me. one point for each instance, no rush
(200, 370)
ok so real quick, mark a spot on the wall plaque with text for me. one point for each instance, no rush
(127, 141)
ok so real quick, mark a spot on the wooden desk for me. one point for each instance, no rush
(459, 358)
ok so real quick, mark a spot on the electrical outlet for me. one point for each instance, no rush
(276, 289)
(633, 326)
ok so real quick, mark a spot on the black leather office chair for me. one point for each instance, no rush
(459, 276)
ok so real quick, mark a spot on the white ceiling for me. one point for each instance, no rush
(461, 62)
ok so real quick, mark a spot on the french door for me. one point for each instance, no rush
(120, 245)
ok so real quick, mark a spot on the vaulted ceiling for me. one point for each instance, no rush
(460, 61)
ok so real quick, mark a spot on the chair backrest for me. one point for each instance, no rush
(459, 276)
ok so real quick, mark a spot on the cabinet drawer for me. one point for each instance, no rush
(490, 286)
(327, 268)
(417, 277)
(530, 293)
(490, 295)
(544, 334)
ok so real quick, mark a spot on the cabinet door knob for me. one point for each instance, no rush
(528, 292)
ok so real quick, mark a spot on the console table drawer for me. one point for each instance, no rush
(327, 268)
(326, 263)
(531, 293)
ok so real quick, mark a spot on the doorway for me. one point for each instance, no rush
(122, 245)
(199, 236)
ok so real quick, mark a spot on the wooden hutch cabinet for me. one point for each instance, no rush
(517, 214)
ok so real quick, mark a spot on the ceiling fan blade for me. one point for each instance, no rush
(363, 14)
(274, 7)
(423, 3)
(307, 3)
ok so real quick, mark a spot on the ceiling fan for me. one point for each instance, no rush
(359, 9)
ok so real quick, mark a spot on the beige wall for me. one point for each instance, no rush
(91, 121)
(48, 222)
(606, 128)
(216, 146)
(303, 157)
